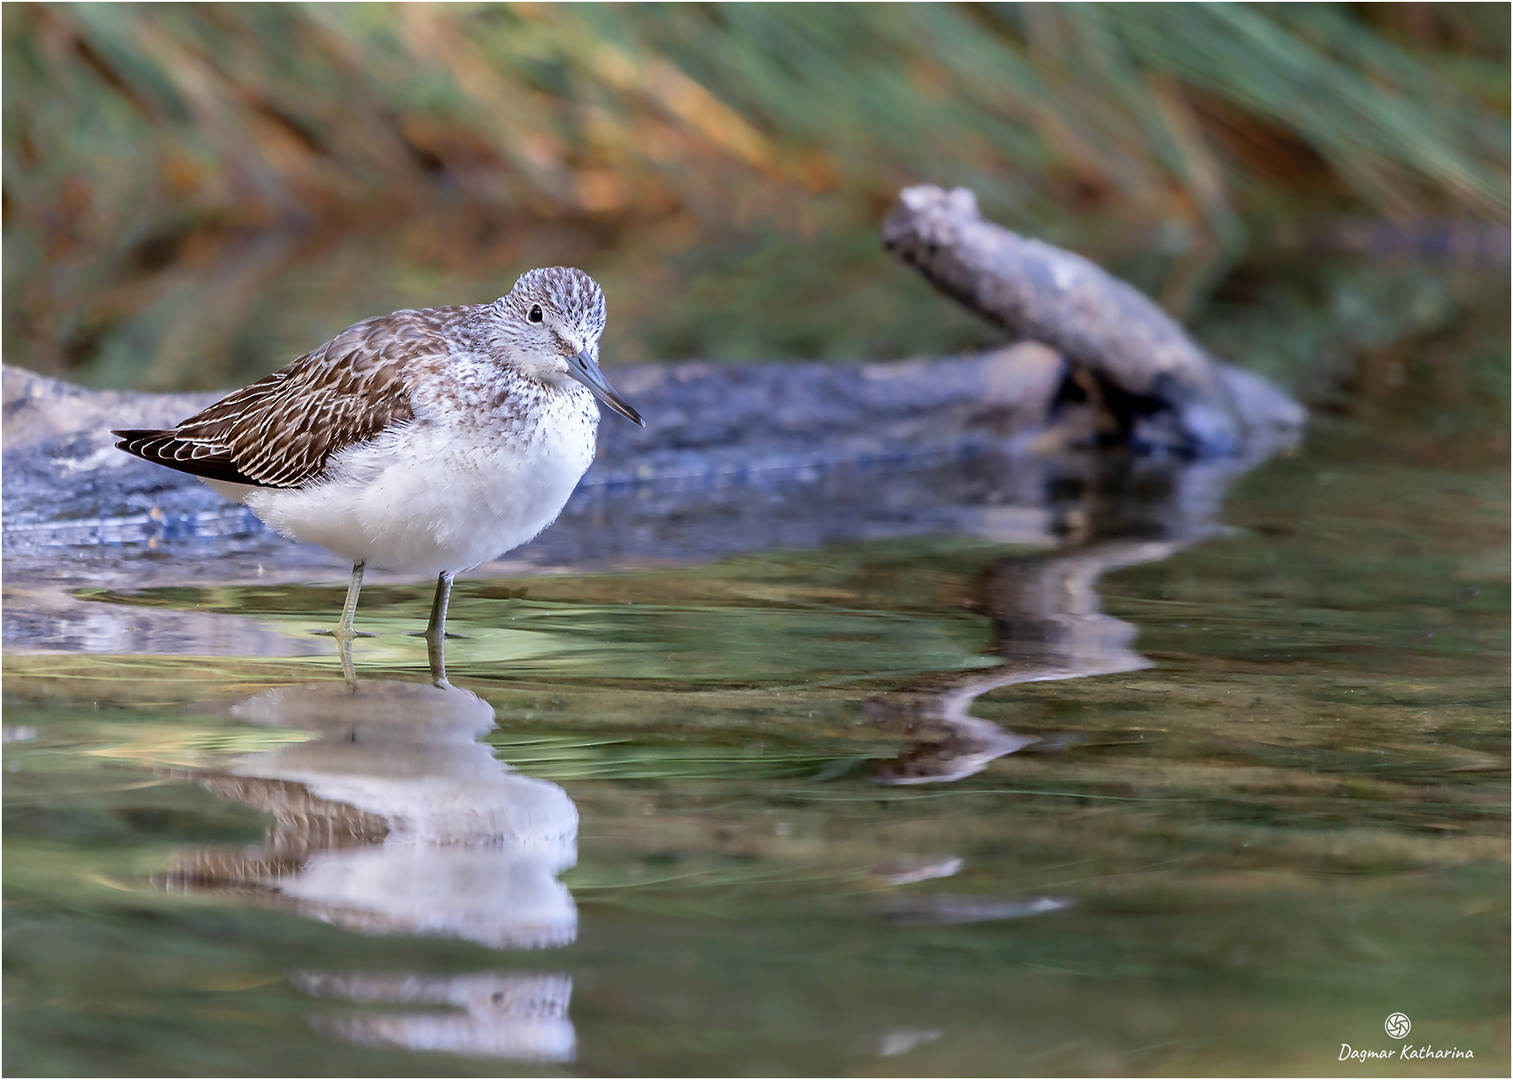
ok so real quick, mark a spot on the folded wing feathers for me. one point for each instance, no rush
(281, 430)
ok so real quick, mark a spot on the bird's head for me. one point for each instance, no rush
(548, 327)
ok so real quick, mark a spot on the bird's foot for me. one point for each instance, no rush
(426, 633)
(349, 635)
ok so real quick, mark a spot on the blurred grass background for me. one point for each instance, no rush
(196, 194)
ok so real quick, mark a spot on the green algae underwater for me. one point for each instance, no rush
(1240, 855)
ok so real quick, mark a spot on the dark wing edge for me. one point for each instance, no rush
(166, 448)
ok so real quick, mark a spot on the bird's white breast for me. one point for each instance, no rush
(471, 477)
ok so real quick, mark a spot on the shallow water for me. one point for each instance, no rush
(1240, 794)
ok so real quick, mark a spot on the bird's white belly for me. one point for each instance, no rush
(427, 497)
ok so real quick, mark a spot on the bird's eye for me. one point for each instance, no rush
(535, 313)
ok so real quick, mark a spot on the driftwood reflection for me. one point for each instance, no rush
(1046, 612)
(395, 819)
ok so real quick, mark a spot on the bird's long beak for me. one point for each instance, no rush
(585, 369)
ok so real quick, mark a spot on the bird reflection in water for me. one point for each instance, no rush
(396, 819)
(492, 1014)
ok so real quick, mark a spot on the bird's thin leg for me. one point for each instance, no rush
(349, 609)
(436, 629)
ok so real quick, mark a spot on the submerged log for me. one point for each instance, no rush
(1163, 391)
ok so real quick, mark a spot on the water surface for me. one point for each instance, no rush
(1127, 800)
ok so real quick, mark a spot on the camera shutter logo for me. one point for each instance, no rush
(1398, 1026)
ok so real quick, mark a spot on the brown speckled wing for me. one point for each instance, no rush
(281, 431)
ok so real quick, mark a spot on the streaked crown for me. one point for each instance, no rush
(565, 292)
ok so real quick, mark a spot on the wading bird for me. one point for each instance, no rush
(425, 442)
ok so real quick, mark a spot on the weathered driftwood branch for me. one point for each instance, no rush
(1165, 391)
